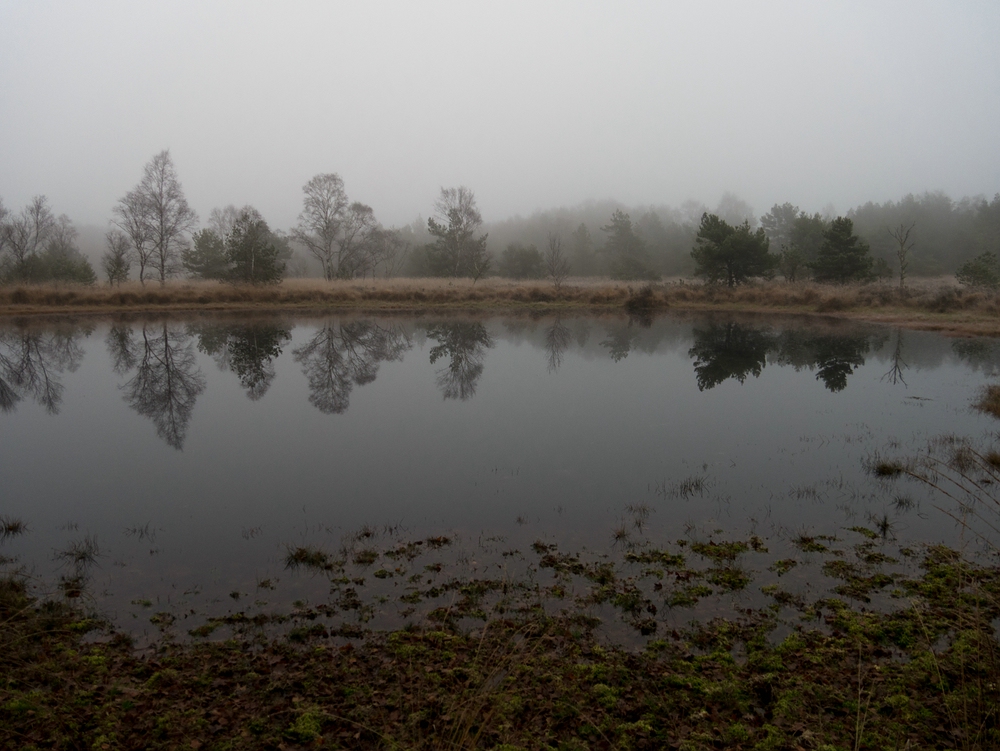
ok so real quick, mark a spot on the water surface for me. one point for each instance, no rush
(193, 453)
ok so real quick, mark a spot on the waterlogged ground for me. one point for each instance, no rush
(174, 471)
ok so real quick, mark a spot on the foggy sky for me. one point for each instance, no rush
(533, 105)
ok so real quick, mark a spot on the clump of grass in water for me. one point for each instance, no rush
(989, 400)
(620, 534)
(686, 488)
(309, 557)
(143, 531)
(80, 552)
(809, 544)
(879, 466)
(719, 551)
(11, 526)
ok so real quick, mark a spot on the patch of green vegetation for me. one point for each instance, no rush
(783, 566)
(729, 578)
(307, 727)
(534, 672)
(864, 531)
(688, 595)
(720, 551)
(656, 557)
(309, 557)
(809, 544)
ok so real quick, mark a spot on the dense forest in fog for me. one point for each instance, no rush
(947, 232)
(153, 234)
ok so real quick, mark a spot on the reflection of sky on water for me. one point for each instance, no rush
(231, 439)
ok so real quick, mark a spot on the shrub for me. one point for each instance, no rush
(981, 271)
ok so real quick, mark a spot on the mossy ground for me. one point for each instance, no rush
(525, 663)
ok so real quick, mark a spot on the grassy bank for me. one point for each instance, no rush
(929, 304)
(525, 664)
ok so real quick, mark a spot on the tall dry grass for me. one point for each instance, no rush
(932, 297)
(406, 293)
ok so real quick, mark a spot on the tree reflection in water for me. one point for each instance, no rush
(621, 338)
(248, 350)
(167, 380)
(834, 356)
(341, 356)
(729, 350)
(980, 354)
(733, 350)
(465, 344)
(557, 340)
(31, 361)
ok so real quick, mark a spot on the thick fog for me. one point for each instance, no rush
(532, 105)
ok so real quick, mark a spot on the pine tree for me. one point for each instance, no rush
(842, 257)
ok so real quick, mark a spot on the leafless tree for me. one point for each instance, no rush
(387, 250)
(156, 217)
(556, 264)
(117, 259)
(221, 221)
(169, 217)
(321, 219)
(901, 235)
(355, 240)
(26, 234)
(167, 381)
(132, 218)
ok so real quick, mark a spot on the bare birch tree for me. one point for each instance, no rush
(132, 219)
(321, 219)
(169, 217)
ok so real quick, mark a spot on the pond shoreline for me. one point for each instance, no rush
(797, 673)
(929, 305)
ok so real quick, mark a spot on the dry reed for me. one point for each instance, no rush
(933, 303)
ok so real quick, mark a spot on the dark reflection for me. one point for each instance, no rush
(895, 374)
(465, 345)
(248, 350)
(728, 350)
(622, 337)
(341, 356)
(167, 381)
(834, 356)
(980, 354)
(557, 340)
(732, 350)
(31, 362)
(120, 342)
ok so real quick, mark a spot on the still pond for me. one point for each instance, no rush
(185, 457)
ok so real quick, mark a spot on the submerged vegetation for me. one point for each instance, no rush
(535, 660)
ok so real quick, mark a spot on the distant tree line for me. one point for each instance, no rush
(154, 235)
(36, 246)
